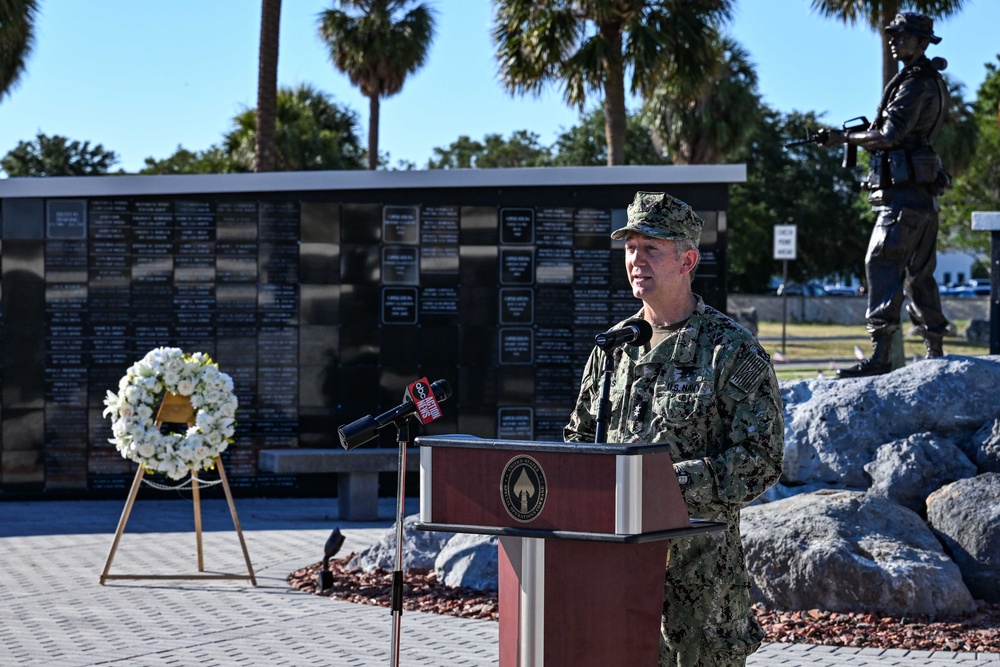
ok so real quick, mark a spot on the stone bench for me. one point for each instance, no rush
(357, 473)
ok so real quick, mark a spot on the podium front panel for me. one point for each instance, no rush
(579, 490)
(606, 491)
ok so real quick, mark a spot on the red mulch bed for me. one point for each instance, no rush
(977, 632)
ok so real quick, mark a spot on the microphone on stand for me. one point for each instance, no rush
(636, 332)
(421, 398)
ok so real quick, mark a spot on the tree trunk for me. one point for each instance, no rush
(373, 131)
(267, 86)
(615, 118)
(889, 64)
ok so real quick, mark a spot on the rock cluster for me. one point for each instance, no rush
(889, 500)
(457, 559)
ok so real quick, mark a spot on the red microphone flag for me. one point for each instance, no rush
(422, 396)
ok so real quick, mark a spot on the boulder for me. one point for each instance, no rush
(849, 551)
(966, 515)
(458, 559)
(906, 471)
(834, 427)
(468, 560)
(984, 447)
(781, 491)
(420, 549)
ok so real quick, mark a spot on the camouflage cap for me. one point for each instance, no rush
(661, 216)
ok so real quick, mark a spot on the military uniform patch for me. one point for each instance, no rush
(749, 371)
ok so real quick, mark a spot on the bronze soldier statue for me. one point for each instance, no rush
(904, 180)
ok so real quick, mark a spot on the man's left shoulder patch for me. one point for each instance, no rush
(749, 370)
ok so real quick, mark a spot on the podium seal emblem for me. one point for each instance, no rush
(523, 488)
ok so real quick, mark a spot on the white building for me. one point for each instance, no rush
(954, 267)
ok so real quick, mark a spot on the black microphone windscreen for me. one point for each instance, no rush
(442, 390)
(644, 328)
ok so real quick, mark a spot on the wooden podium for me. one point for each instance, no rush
(583, 530)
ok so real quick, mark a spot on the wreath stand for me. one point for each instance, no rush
(176, 409)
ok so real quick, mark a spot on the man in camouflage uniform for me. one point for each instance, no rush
(905, 178)
(704, 386)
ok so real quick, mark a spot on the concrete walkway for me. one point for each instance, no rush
(53, 611)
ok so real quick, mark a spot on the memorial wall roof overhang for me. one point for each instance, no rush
(654, 176)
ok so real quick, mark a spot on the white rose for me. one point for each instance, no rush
(185, 387)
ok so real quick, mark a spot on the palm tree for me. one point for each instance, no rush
(377, 43)
(311, 132)
(267, 85)
(705, 124)
(589, 45)
(877, 14)
(17, 18)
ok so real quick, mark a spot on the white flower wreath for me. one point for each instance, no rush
(132, 411)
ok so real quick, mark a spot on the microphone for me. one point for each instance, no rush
(636, 331)
(422, 398)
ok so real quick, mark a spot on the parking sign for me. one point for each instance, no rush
(784, 241)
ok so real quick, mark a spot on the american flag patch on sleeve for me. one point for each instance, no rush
(749, 371)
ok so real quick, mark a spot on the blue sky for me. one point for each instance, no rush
(143, 77)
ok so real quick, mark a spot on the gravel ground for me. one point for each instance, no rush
(977, 632)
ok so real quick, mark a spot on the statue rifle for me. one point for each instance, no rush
(822, 136)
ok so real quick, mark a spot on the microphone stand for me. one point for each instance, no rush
(604, 399)
(402, 438)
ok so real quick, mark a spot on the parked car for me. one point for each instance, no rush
(841, 290)
(967, 290)
(798, 289)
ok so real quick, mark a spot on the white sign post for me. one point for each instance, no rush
(990, 221)
(785, 241)
(785, 244)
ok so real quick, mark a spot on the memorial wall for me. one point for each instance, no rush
(322, 295)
